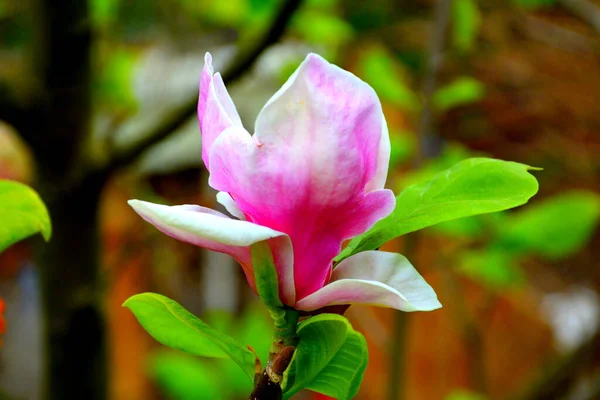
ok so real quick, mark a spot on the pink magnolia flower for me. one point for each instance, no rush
(310, 177)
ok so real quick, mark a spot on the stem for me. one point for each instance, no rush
(268, 384)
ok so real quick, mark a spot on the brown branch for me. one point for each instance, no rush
(563, 377)
(429, 142)
(178, 116)
(586, 10)
(268, 384)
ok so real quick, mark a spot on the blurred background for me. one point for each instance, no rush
(97, 106)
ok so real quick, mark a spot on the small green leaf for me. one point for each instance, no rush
(22, 214)
(331, 358)
(265, 274)
(462, 91)
(466, 20)
(554, 228)
(471, 187)
(172, 325)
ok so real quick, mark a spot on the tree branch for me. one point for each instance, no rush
(584, 9)
(429, 145)
(181, 114)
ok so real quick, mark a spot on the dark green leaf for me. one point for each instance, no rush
(331, 358)
(172, 325)
(471, 187)
(22, 214)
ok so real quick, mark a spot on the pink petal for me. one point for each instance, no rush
(215, 231)
(320, 144)
(376, 278)
(216, 111)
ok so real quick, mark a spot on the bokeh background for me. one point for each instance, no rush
(97, 106)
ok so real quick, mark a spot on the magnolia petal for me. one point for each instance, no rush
(375, 278)
(213, 230)
(305, 172)
(383, 160)
(216, 111)
(226, 201)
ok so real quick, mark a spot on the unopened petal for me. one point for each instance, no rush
(312, 169)
(375, 278)
(216, 111)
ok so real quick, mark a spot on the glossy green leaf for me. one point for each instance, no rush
(265, 275)
(471, 187)
(172, 325)
(462, 91)
(22, 214)
(466, 20)
(554, 228)
(331, 358)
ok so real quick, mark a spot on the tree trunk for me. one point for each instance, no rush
(70, 263)
(72, 299)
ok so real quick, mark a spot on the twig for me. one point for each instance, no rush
(181, 114)
(429, 143)
(563, 377)
(584, 9)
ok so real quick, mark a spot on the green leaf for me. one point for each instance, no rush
(331, 358)
(466, 20)
(471, 187)
(172, 325)
(555, 228)
(22, 214)
(265, 275)
(462, 91)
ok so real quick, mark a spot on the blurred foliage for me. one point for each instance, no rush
(555, 228)
(388, 79)
(462, 91)
(464, 395)
(114, 84)
(534, 4)
(466, 21)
